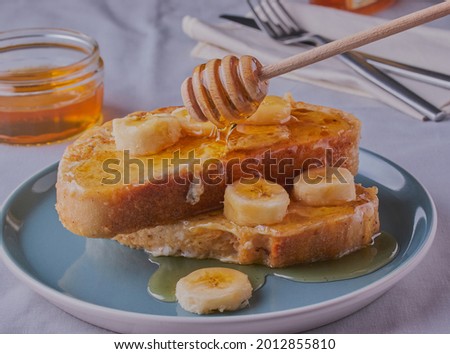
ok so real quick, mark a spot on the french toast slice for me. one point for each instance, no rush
(89, 205)
(305, 235)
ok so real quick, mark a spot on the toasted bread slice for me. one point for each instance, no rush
(89, 204)
(305, 235)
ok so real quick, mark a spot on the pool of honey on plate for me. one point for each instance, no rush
(383, 250)
(47, 110)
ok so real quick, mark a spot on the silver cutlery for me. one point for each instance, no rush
(279, 25)
(408, 71)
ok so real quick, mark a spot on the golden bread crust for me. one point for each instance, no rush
(89, 207)
(306, 234)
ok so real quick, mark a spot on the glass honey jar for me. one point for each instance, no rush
(51, 85)
(360, 6)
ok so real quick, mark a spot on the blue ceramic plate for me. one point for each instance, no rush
(105, 283)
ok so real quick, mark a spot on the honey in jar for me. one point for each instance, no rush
(51, 85)
(359, 6)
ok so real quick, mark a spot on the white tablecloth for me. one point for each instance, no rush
(146, 57)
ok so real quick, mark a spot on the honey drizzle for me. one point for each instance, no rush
(305, 127)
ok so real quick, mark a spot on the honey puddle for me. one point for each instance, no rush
(364, 261)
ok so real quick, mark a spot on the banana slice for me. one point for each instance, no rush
(191, 126)
(213, 289)
(143, 133)
(255, 202)
(325, 186)
(272, 110)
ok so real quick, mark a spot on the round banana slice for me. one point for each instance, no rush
(208, 290)
(142, 133)
(272, 110)
(255, 202)
(325, 186)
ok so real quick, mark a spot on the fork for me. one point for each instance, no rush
(279, 25)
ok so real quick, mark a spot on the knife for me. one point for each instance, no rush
(404, 70)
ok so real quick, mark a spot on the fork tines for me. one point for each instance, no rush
(273, 17)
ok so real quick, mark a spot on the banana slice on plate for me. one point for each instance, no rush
(253, 202)
(208, 290)
(142, 133)
(325, 186)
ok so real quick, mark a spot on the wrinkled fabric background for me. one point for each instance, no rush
(146, 58)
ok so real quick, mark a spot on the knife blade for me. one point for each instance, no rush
(246, 21)
(404, 70)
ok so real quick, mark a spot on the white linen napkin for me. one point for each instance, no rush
(422, 46)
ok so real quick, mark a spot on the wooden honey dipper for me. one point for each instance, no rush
(230, 90)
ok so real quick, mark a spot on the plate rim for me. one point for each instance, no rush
(47, 291)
